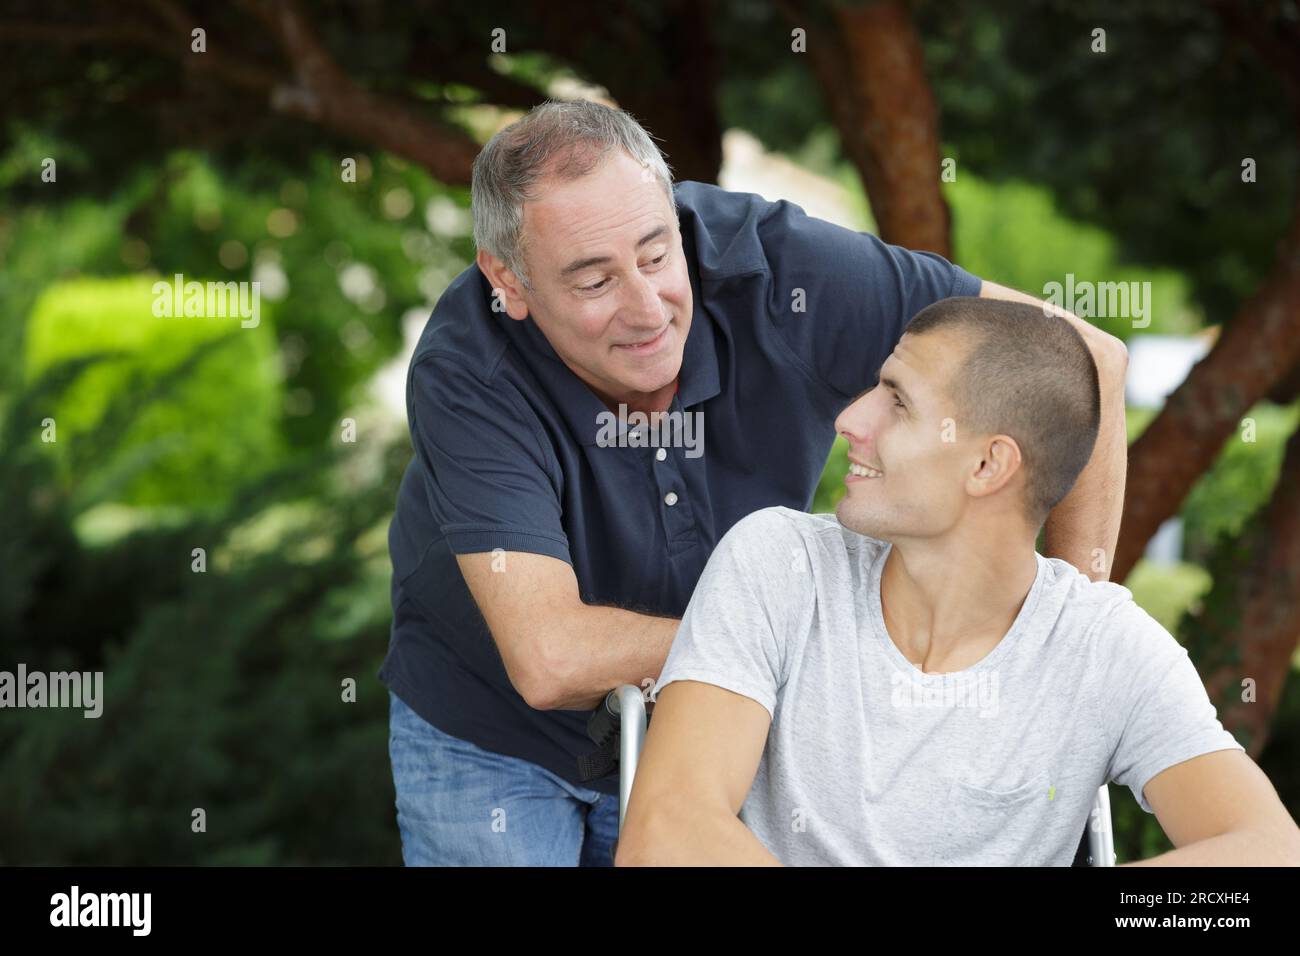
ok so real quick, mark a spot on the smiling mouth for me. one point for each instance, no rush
(862, 471)
(648, 343)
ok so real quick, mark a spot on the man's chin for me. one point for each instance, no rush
(854, 520)
(654, 379)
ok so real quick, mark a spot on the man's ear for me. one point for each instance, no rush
(1000, 460)
(507, 290)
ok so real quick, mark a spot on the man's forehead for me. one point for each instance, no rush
(921, 363)
(608, 202)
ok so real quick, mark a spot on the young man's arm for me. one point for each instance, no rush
(701, 753)
(1084, 527)
(1219, 809)
(717, 693)
(1175, 756)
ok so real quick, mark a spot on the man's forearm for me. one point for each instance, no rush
(1238, 848)
(1083, 528)
(691, 838)
(596, 648)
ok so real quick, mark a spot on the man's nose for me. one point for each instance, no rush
(642, 308)
(855, 424)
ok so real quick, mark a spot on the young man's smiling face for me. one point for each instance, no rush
(922, 469)
(611, 291)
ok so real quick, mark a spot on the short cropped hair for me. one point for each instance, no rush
(563, 138)
(1027, 374)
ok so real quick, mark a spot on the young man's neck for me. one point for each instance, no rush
(947, 603)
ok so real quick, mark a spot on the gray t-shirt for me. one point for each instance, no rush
(869, 761)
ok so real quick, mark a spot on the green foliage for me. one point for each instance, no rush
(1011, 233)
(222, 689)
(1145, 140)
(1167, 591)
(222, 697)
(1241, 480)
(830, 487)
(39, 245)
(342, 261)
(193, 449)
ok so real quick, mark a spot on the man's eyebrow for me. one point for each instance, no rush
(875, 380)
(580, 264)
(893, 384)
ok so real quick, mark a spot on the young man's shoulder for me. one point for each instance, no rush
(778, 519)
(778, 526)
(1103, 608)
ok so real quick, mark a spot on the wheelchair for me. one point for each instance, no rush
(618, 728)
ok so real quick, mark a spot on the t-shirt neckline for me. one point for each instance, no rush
(1018, 626)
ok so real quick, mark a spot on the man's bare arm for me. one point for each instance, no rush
(1219, 809)
(1084, 528)
(701, 753)
(560, 653)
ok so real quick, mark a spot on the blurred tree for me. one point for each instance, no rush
(869, 65)
(223, 690)
(222, 424)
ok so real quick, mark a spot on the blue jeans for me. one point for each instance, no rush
(461, 805)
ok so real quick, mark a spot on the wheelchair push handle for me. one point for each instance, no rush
(627, 704)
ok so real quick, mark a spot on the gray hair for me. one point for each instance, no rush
(564, 138)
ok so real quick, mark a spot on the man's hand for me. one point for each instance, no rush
(1084, 527)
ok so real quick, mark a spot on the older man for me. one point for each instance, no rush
(536, 562)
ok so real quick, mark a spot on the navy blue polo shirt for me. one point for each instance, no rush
(793, 317)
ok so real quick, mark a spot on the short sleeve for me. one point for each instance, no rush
(1154, 706)
(842, 299)
(488, 479)
(744, 612)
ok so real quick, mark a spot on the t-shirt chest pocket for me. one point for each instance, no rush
(996, 827)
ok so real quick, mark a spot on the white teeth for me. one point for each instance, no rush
(862, 471)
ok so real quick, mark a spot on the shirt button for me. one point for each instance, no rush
(670, 499)
(661, 454)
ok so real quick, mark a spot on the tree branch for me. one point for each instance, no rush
(325, 94)
(1255, 353)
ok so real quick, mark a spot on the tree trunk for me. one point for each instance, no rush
(1249, 624)
(665, 72)
(869, 64)
(1255, 352)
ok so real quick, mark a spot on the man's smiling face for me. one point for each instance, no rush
(611, 291)
(914, 481)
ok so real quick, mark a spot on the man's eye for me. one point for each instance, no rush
(897, 403)
(601, 284)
